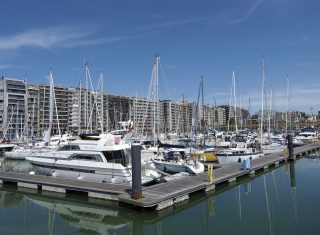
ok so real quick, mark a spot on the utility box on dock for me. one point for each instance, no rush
(246, 164)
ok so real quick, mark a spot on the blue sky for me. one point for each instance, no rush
(194, 38)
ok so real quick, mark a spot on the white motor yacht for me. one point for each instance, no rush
(238, 153)
(98, 166)
(6, 147)
(273, 145)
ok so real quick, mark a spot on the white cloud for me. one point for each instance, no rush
(10, 66)
(248, 14)
(52, 37)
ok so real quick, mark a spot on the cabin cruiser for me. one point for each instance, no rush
(18, 153)
(6, 147)
(273, 145)
(239, 152)
(307, 137)
(108, 160)
(112, 166)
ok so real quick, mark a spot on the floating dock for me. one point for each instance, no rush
(157, 196)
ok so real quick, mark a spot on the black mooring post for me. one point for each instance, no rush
(292, 175)
(136, 171)
(290, 147)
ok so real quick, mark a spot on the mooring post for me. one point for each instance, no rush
(136, 171)
(290, 147)
(292, 175)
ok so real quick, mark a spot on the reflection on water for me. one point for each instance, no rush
(282, 201)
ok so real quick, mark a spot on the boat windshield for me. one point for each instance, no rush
(86, 157)
(116, 157)
(69, 147)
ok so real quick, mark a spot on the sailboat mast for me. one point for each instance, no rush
(101, 98)
(157, 95)
(262, 100)
(270, 112)
(235, 100)
(79, 111)
(202, 103)
(32, 119)
(230, 105)
(51, 104)
(240, 108)
(287, 103)
(86, 100)
(155, 98)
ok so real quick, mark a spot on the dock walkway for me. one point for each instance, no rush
(158, 196)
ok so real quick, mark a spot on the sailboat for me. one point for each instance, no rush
(204, 154)
(240, 149)
(272, 144)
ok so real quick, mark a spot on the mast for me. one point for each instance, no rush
(249, 104)
(155, 93)
(270, 112)
(240, 108)
(202, 103)
(80, 116)
(101, 98)
(157, 96)
(287, 104)
(51, 107)
(235, 99)
(262, 100)
(17, 123)
(32, 119)
(230, 105)
(86, 100)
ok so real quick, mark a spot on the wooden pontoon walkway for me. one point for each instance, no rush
(157, 196)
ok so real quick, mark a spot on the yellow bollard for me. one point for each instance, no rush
(285, 152)
(210, 173)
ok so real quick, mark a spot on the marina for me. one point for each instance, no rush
(154, 117)
(274, 198)
(158, 196)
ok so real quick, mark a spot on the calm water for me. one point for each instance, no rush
(281, 201)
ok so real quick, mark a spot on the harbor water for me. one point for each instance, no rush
(283, 200)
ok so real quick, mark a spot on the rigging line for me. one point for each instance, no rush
(150, 92)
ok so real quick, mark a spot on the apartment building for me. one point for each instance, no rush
(13, 108)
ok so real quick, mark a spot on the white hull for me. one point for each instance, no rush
(269, 149)
(74, 169)
(233, 158)
(16, 155)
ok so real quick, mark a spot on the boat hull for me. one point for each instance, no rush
(206, 157)
(231, 158)
(172, 167)
(6, 148)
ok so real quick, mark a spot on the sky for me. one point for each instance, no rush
(208, 38)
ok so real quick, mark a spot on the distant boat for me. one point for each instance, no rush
(238, 153)
(6, 148)
(174, 162)
(307, 135)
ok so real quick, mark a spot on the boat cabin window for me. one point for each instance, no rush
(69, 147)
(86, 157)
(115, 157)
